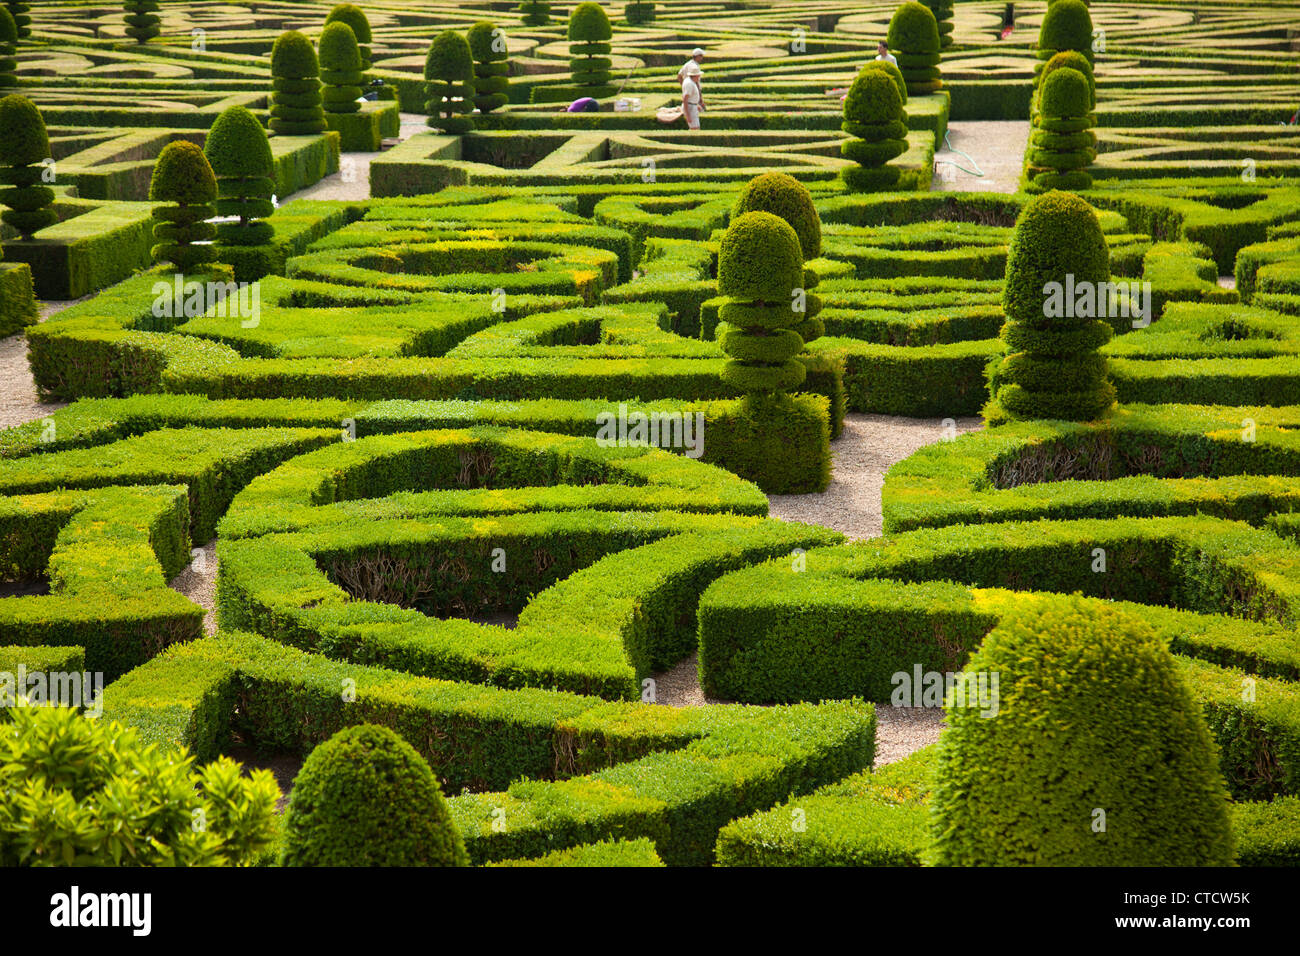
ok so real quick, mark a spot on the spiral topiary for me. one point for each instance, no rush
(942, 10)
(487, 45)
(589, 49)
(22, 19)
(295, 83)
(1054, 369)
(24, 146)
(142, 20)
(340, 69)
(1098, 754)
(183, 177)
(760, 268)
(354, 17)
(449, 80)
(873, 114)
(1062, 144)
(1067, 25)
(783, 195)
(240, 156)
(639, 12)
(365, 797)
(914, 38)
(8, 49)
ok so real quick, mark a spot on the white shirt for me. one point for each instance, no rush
(889, 57)
(690, 91)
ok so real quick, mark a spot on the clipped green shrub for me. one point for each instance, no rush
(487, 44)
(1067, 25)
(365, 797)
(1098, 754)
(536, 13)
(760, 270)
(355, 18)
(24, 146)
(589, 48)
(295, 84)
(240, 156)
(90, 792)
(895, 74)
(1054, 369)
(449, 81)
(8, 47)
(1062, 144)
(142, 19)
(639, 12)
(183, 178)
(914, 38)
(784, 196)
(942, 10)
(873, 115)
(340, 68)
(22, 19)
(1074, 60)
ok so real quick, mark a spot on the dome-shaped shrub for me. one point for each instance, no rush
(589, 49)
(760, 267)
(536, 13)
(873, 113)
(295, 83)
(365, 797)
(1098, 754)
(942, 10)
(182, 176)
(340, 68)
(487, 45)
(240, 156)
(914, 38)
(1074, 60)
(18, 9)
(24, 146)
(8, 49)
(895, 74)
(639, 12)
(142, 20)
(1067, 25)
(354, 17)
(449, 81)
(1062, 145)
(1056, 251)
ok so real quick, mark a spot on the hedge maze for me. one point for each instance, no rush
(486, 445)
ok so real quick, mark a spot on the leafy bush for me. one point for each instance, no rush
(895, 74)
(1062, 145)
(355, 18)
(295, 83)
(1093, 719)
(1067, 25)
(1055, 370)
(22, 19)
(449, 80)
(87, 792)
(491, 65)
(536, 13)
(942, 10)
(240, 156)
(142, 19)
(341, 68)
(366, 798)
(589, 48)
(183, 177)
(8, 47)
(24, 146)
(639, 12)
(873, 113)
(914, 36)
(1074, 60)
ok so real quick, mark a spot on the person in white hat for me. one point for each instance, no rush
(692, 65)
(692, 96)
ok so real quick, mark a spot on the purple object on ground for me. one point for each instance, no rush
(584, 105)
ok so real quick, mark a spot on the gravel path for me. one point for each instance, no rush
(198, 582)
(18, 403)
(352, 181)
(996, 146)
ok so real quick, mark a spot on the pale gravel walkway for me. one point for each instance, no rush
(352, 181)
(996, 146)
(18, 404)
(198, 582)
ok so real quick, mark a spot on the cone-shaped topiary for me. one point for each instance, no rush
(142, 20)
(1098, 754)
(182, 176)
(24, 146)
(487, 44)
(589, 49)
(1057, 266)
(783, 195)
(536, 13)
(340, 69)
(22, 19)
(354, 17)
(760, 270)
(449, 80)
(240, 156)
(914, 38)
(8, 49)
(873, 113)
(1067, 25)
(1062, 145)
(638, 12)
(365, 797)
(295, 83)
(942, 10)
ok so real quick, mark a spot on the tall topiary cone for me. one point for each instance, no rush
(914, 39)
(295, 83)
(589, 48)
(760, 269)
(1098, 755)
(449, 80)
(784, 196)
(536, 13)
(355, 18)
(1067, 25)
(183, 178)
(638, 12)
(942, 10)
(142, 20)
(365, 797)
(1062, 145)
(487, 45)
(24, 146)
(873, 114)
(240, 156)
(341, 71)
(8, 51)
(1057, 250)
(22, 19)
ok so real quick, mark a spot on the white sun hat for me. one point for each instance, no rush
(697, 52)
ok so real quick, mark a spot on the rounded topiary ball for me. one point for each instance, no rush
(895, 74)
(1056, 234)
(292, 56)
(487, 46)
(23, 140)
(237, 145)
(784, 196)
(449, 59)
(1065, 94)
(913, 29)
(341, 72)
(589, 23)
(365, 797)
(1098, 754)
(24, 145)
(1067, 25)
(182, 174)
(760, 259)
(873, 114)
(355, 18)
(1073, 60)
